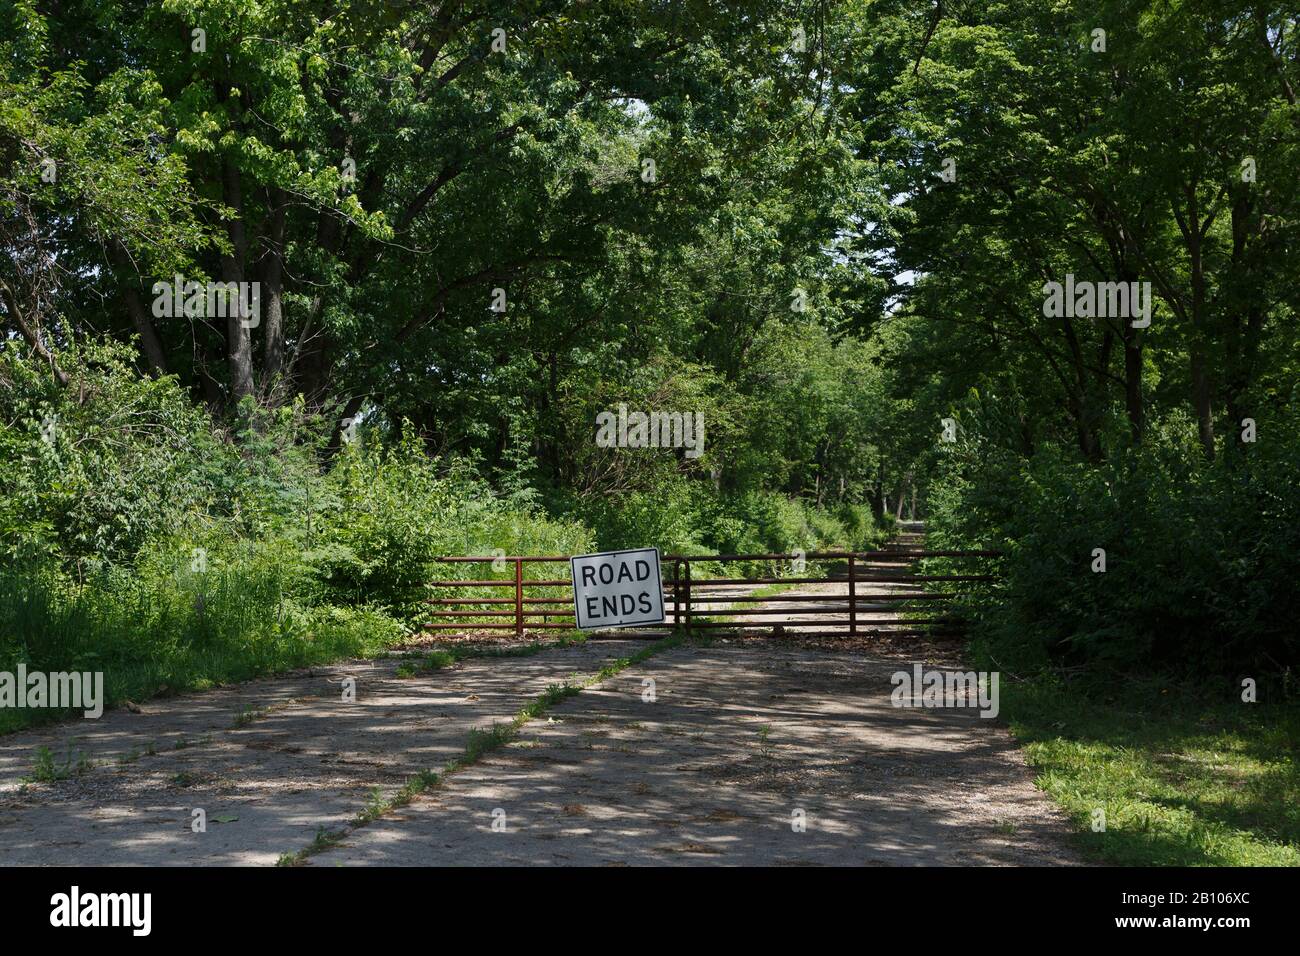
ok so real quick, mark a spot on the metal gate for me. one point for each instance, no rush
(880, 594)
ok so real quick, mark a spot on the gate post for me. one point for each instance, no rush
(688, 596)
(519, 597)
(853, 608)
(677, 594)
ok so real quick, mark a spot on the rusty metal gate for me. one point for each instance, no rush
(908, 606)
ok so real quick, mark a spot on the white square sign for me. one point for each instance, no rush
(617, 589)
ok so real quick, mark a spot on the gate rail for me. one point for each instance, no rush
(693, 598)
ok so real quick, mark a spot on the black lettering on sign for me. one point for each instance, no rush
(617, 589)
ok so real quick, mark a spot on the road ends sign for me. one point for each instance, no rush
(617, 589)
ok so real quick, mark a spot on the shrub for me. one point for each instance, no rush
(1202, 558)
(97, 468)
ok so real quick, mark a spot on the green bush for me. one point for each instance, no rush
(686, 518)
(1202, 557)
(389, 519)
(96, 469)
(666, 518)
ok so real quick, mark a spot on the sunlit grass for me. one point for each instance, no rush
(1181, 781)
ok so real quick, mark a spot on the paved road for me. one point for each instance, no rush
(747, 752)
(739, 743)
(308, 760)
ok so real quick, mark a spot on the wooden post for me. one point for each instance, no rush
(519, 597)
(853, 609)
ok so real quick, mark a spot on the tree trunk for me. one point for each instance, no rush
(1133, 402)
(1078, 401)
(272, 295)
(141, 316)
(877, 494)
(336, 438)
(239, 342)
(149, 341)
(1201, 400)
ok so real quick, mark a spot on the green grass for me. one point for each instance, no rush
(771, 590)
(248, 715)
(765, 590)
(323, 840)
(433, 661)
(1183, 781)
(46, 768)
(150, 636)
(136, 753)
